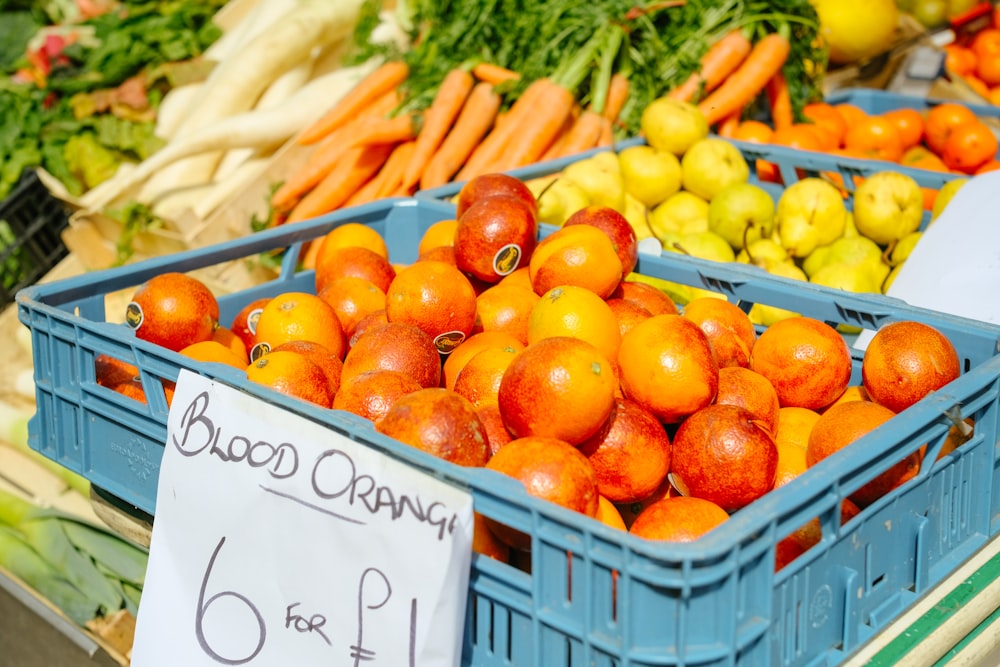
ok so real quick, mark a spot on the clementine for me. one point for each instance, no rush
(551, 469)
(632, 456)
(574, 311)
(505, 307)
(292, 374)
(354, 261)
(395, 346)
(439, 422)
(479, 379)
(941, 120)
(298, 316)
(173, 310)
(439, 234)
(560, 387)
(844, 424)
(351, 299)
(370, 394)
(905, 361)
(751, 390)
(807, 362)
(470, 347)
(667, 366)
(678, 519)
(580, 255)
(435, 297)
(727, 327)
(723, 454)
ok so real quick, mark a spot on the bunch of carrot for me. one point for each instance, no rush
(363, 151)
(499, 85)
(734, 71)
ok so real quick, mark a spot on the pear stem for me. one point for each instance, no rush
(887, 253)
(746, 246)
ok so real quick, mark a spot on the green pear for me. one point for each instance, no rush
(711, 164)
(741, 213)
(810, 213)
(706, 245)
(681, 213)
(850, 278)
(762, 252)
(944, 196)
(860, 251)
(600, 178)
(650, 175)
(560, 200)
(764, 315)
(637, 216)
(901, 251)
(672, 126)
(847, 277)
(888, 205)
(816, 260)
(850, 229)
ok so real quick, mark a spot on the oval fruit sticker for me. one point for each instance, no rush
(507, 259)
(133, 315)
(448, 341)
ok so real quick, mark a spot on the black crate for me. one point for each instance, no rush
(31, 224)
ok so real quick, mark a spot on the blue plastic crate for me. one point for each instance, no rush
(594, 595)
(873, 101)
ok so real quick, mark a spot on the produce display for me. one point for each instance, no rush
(521, 339)
(975, 59)
(546, 359)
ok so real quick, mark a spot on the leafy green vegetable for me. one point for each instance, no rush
(139, 36)
(15, 30)
(581, 44)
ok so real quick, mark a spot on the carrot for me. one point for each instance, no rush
(438, 119)
(384, 130)
(607, 135)
(470, 127)
(534, 134)
(367, 192)
(496, 141)
(555, 148)
(780, 102)
(583, 135)
(325, 155)
(765, 60)
(384, 78)
(727, 126)
(493, 74)
(394, 167)
(618, 90)
(721, 60)
(355, 167)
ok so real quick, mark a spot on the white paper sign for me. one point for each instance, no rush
(955, 268)
(280, 542)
